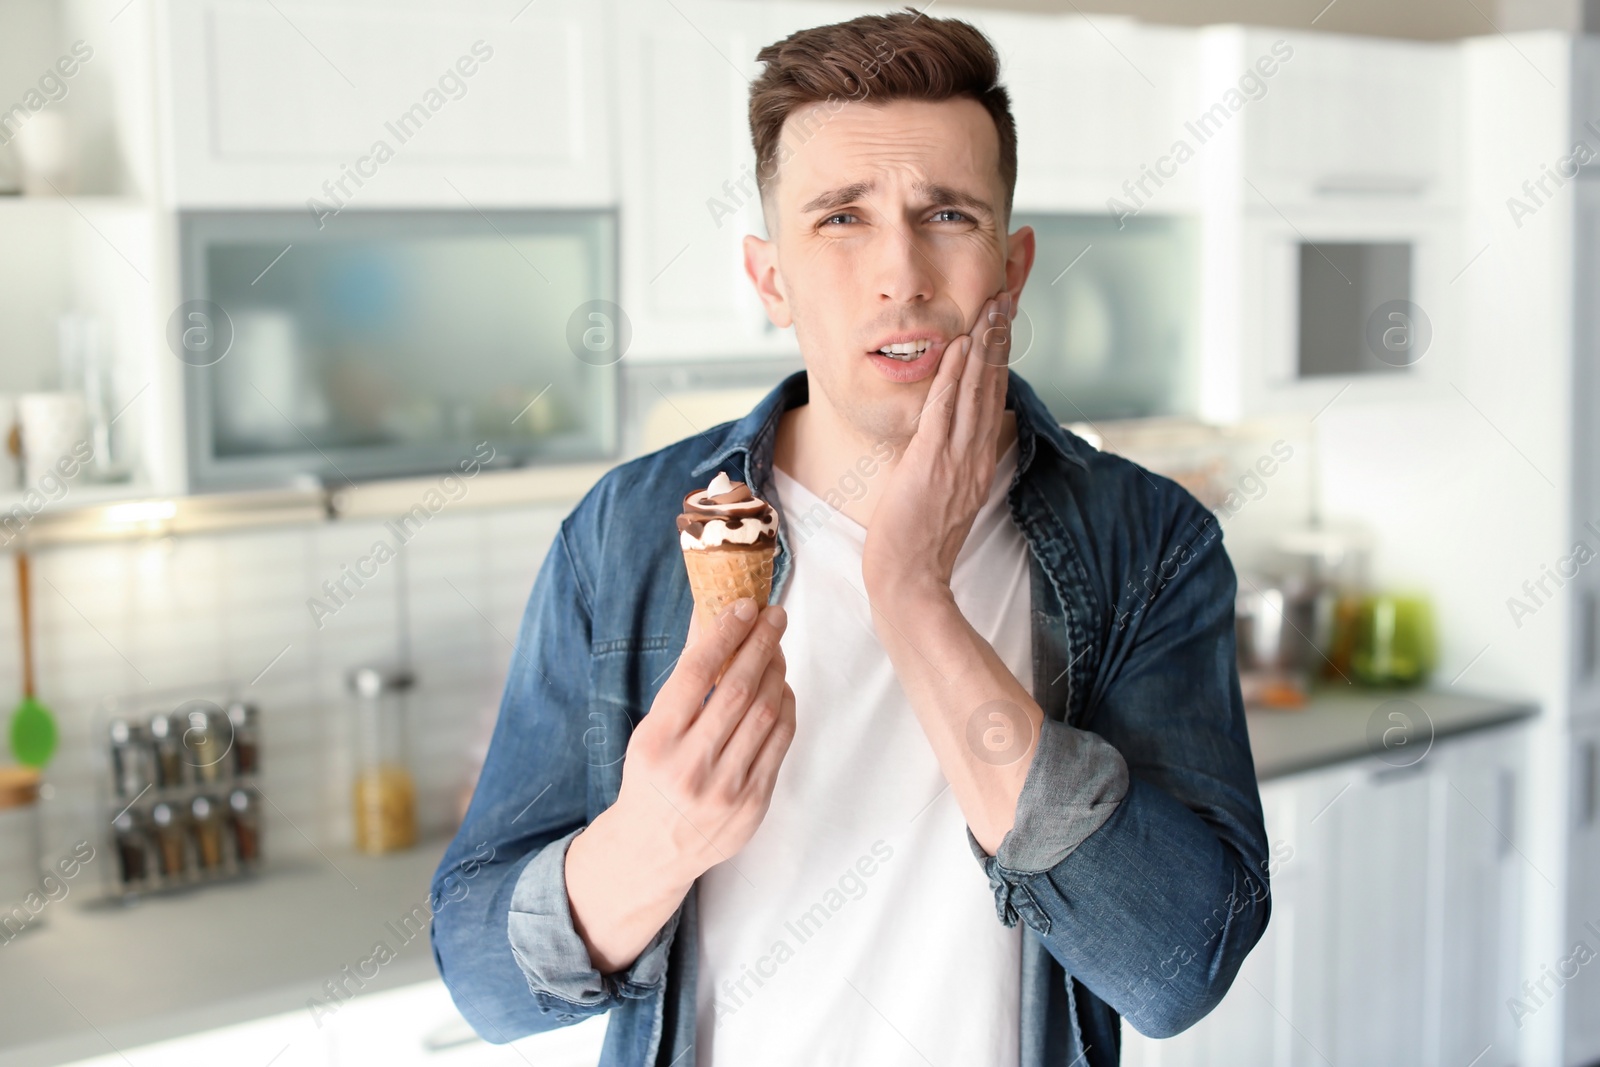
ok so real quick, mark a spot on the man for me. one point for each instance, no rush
(998, 671)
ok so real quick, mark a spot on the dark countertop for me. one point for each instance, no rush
(1334, 726)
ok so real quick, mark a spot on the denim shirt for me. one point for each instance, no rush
(1137, 861)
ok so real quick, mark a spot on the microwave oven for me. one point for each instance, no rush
(1350, 300)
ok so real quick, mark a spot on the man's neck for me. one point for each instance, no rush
(822, 453)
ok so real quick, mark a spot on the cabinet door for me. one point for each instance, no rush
(1583, 898)
(1585, 628)
(1477, 922)
(1378, 918)
(1347, 119)
(1098, 102)
(404, 103)
(688, 177)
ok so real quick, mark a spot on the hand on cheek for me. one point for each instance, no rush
(934, 494)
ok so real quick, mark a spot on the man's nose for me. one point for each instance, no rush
(903, 268)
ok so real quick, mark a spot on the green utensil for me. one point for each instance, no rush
(33, 728)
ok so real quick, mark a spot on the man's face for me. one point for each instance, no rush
(887, 223)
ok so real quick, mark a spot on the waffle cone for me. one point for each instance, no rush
(719, 576)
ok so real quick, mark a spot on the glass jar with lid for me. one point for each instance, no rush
(133, 760)
(384, 795)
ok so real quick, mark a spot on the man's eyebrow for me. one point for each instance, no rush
(834, 199)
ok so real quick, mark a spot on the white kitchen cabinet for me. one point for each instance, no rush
(1379, 918)
(1582, 992)
(1350, 119)
(688, 177)
(1584, 631)
(1098, 102)
(1317, 148)
(1479, 796)
(365, 104)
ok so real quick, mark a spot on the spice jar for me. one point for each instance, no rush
(170, 841)
(206, 822)
(21, 905)
(132, 759)
(245, 818)
(383, 795)
(242, 718)
(168, 748)
(205, 739)
(135, 857)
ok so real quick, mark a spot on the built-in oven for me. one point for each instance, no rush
(385, 343)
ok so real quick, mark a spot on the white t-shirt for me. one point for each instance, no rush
(856, 927)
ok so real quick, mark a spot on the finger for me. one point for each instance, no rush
(752, 727)
(764, 768)
(996, 367)
(970, 393)
(996, 334)
(740, 682)
(938, 407)
(702, 659)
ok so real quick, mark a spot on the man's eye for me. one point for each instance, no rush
(951, 211)
(840, 215)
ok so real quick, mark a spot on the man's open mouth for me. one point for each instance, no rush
(905, 351)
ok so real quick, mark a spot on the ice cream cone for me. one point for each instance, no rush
(729, 539)
(719, 576)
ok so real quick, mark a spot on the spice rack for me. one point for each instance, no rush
(179, 789)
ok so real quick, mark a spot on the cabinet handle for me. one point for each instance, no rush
(1588, 800)
(1589, 648)
(1389, 775)
(1508, 813)
(1370, 185)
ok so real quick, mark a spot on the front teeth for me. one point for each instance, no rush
(905, 351)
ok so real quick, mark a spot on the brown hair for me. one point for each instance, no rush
(903, 55)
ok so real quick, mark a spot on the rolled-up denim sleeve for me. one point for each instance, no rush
(1075, 781)
(545, 940)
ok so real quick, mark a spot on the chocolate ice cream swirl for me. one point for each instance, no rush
(726, 513)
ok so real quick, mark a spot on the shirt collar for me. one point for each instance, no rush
(754, 435)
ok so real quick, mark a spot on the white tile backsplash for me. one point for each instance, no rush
(142, 626)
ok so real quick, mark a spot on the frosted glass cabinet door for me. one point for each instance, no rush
(1105, 328)
(397, 343)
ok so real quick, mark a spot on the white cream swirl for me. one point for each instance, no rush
(725, 513)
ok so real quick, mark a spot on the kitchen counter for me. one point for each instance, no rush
(1333, 726)
(96, 978)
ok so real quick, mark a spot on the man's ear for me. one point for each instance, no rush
(1020, 248)
(761, 264)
